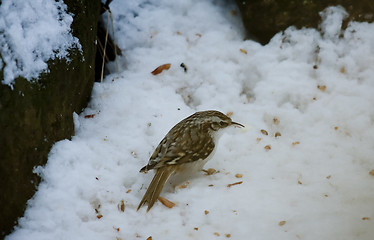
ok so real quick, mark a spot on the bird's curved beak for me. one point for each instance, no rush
(237, 124)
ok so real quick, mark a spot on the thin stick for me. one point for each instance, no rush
(106, 40)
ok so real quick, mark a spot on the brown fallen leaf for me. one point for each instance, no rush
(166, 202)
(236, 183)
(161, 68)
(89, 116)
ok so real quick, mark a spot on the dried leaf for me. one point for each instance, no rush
(263, 131)
(161, 68)
(166, 202)
(243, 51)
(238, 175)
(281, 223)
(236, 183)
(89, 116)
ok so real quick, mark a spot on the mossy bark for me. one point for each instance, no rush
(34, 115)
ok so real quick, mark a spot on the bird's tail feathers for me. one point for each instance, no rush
(155, 187)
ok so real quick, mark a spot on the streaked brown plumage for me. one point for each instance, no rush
(188, 145)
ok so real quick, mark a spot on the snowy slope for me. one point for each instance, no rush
(312, 181)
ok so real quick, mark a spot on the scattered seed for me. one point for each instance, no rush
(206, 212)
(258, 139)
(342, 70)
(89, 116)
(128, 191)
(236, 183)
(326, 195)
(195, 228)
(328, 177)
(276, 120)
(336, 128)
(229, 114)
(295, 143)
(322, 87)
(371, 172)
(121, 206)
(198, 34)
(99, 216)
(149, 238)
(243, 51)
(184, 185)
(365, 218)
(278, 134)
(281, 223)
(267, 147)
(166, 202)
(217, 234)
(227, 235)
(210, 171)
(299, 182)
(263, 131)
(117, 229)
(238, 175)
(210, 185)
(315, 66)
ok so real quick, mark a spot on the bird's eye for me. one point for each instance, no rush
(222, 124)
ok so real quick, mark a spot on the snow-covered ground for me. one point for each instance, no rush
(314, 90)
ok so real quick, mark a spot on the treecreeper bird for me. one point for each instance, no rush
(187, 146)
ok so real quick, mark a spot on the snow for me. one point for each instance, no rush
(31, 33)
(315, 89)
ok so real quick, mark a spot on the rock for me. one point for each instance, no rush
(36, 115)
(264, 18)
